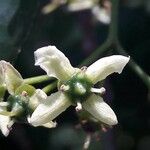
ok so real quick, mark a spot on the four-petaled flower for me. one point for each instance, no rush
(6, 70)
(22, 98)
(76, 86)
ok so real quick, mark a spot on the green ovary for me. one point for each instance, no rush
(79, 88)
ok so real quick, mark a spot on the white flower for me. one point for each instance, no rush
(11, 80)
(76, 86)
(77, 5)
(101, 14)
(6, 74)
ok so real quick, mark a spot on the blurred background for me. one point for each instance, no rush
(26, 25)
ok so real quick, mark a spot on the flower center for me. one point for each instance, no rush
(78, 88)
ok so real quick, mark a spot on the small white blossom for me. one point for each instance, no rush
(77, 5)
(101, 14)
(11, 80)
(5, 121)
(76, 86)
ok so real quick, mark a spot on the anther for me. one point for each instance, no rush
(84, 68)
(64, 88)
(24, 93)
(78, 107)
(101, 91)
(103, 128)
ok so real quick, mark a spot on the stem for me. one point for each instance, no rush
(136, 68)
(100, 50)
(111, 39)
(112, 36)
(50, 87)
(37, 79)
(114, 32)
(113, 28)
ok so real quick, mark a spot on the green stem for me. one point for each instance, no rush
(50, 87)
(37, 79)
(113, 28)
(111, 39)
(136, 68)
(100, 50)
(114, 32)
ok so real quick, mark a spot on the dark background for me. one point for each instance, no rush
(23, 29)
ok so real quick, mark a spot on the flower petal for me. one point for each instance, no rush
(12, 77)
(100, 110)
(79, 5)
(101, 14)
(50, 124)
(5, 124)
(1, 74)
(50, 109)
(106, 66)
(38, 97)
(54, 62)
(2, 82)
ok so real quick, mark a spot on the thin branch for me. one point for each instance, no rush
(136, 68)
(50, 87)
(37, 79)
(100, 50)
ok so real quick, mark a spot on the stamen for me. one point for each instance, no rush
(78, 107)
(103, 128)
(87, 142)
(24, 93)
(84, 68)
(101, 91)
(64, 88)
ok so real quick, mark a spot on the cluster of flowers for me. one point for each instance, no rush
(22, 102)
(100, 12)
